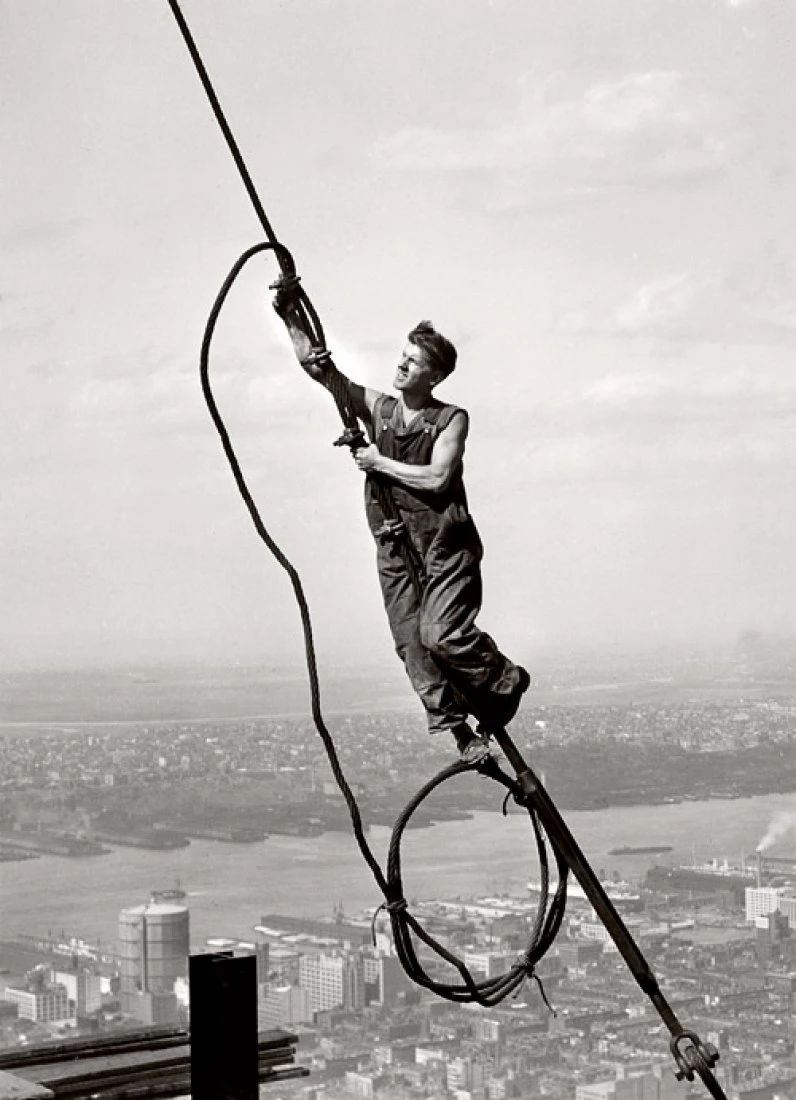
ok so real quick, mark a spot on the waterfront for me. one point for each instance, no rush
(229, 886)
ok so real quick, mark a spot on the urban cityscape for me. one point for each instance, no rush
(717, 926)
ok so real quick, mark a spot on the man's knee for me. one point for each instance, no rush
(440, 641)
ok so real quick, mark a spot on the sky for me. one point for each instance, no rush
(592, 198)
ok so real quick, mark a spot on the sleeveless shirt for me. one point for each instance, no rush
(426, 515)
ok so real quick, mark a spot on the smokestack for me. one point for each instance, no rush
(758, 867)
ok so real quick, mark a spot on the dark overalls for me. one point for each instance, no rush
(454, 667)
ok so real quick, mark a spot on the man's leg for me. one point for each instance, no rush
(445, 709)
(492, 684)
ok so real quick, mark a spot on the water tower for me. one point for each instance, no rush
(154, 942)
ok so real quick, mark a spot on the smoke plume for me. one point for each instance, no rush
(778, 826)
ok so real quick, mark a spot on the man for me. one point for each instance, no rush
(417, 446)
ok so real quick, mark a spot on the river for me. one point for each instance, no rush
(230, 886)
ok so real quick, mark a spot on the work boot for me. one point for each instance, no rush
(472, 746)
(504, 707)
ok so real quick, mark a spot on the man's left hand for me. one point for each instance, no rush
(367, 458)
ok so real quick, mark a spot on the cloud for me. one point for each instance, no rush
(154, 394)
(689, 420)
(21, 315)
(755, 302)
(646, 127)
(37, 233)
(761, 391)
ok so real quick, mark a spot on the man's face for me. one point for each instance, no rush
(413, 371)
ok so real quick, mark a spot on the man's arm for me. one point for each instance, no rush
(319, 372)
(446, 457)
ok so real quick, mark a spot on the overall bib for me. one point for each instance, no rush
(454, 667)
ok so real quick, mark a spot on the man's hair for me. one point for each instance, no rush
(439, 351)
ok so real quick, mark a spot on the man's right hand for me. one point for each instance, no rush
(286, 295)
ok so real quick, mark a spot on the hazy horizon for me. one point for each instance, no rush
(648, 651)
(593, 200)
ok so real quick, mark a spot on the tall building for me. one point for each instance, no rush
(787, 906)
(385, 980)
(83, 987)
(154, 943)
(762, 900)
(332, 981)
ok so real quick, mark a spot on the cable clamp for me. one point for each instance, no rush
(286, 283)
(351, 437)
(318, 357)
(391, 531)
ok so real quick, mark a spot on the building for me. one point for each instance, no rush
(83, 987)
(787, 906)
(489, 963)
(283, 1006)
(762, 900)
(464, 1073)
(634, 1083)
(360, 1085)
(41, 1001)
(153, 952)
(576, 953)
(486, 1029)
(385, 981)
(332, 981)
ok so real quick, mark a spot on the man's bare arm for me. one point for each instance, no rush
(319, 372)
(446, 457)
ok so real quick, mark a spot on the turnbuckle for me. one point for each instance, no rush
(692, 1055)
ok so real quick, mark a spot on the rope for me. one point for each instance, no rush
(224, 125)
(404, 925)
(306, 313)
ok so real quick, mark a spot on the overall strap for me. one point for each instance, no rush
(435, 421)
(384, 407)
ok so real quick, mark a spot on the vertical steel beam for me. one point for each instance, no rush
(224, 1051)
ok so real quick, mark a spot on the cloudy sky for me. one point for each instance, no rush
(593, 198)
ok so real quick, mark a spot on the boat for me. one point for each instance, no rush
(708, 878)
(646, 849)
(171, 893)
(623, 896)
